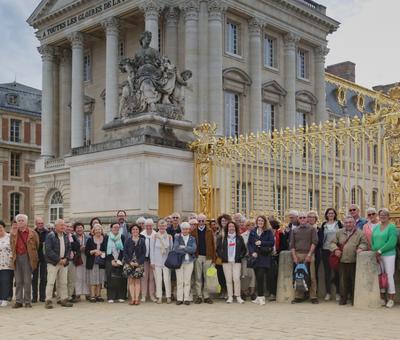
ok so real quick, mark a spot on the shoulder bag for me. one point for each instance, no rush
(334, 260)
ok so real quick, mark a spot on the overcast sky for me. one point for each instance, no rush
(367, 36)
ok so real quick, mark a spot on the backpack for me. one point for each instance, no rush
(301, 278)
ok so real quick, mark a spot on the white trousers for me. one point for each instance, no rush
(59, 273)
(162, 274)
(388, 263)
(232, 277)
(183, 281)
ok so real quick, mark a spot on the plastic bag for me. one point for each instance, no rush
(212, 281)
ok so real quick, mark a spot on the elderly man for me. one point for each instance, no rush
(147, 282)
(40, 274)
(24, 249)
(205, 257)
(354, 211)
(174, 228)
(348, 243)
(58, 248)
(123, 226)
(293, 223)
(303, 241)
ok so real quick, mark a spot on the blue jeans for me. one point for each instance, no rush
(6, 280)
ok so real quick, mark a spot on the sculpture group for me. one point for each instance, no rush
(153, 83)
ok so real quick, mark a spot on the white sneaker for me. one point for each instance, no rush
(110, 301)
(230, 300)
(256, 301)
(143, 299)
(390, 304)
(153, 298)
(262, 300)
(4, 303)
(121, 300)
(383, 302)
(327, 297)
(338, 297)
(239, 300)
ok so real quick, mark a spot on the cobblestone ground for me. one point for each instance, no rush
(217, 321)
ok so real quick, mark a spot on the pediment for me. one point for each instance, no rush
(306, 97)
(236, 74)
(274, 87)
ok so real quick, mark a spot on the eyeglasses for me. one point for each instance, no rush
(175, 217)
(351, 210)
(371, 214)
(302, 217)
(200, 221)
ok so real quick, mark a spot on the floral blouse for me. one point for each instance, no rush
(5, 252)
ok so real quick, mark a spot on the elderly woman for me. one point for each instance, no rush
(384, 241)
(369, 227)
(134, 256)
(81, 286)
(116, 283)
(160, 246)
(248, 277)
(95, 262)
(260, 245)
(6, 272)
(232, 249)
(185, 244)
(93, 221)
(147, 282)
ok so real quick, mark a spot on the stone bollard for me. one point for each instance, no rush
(366, 289)
(285, 292)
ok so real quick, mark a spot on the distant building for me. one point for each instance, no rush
(20, 139)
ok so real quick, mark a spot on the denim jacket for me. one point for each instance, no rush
(190, 248)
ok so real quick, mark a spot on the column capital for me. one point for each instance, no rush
(291, 40)
(216, 9)
(65, 55)
(111, 25)
(320, 53)
(255, 26)
(47, 52)
(172, 16)
(76, 39)
(191, 9)
(151, 9)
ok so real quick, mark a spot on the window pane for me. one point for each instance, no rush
(231, 114)
(15, 201)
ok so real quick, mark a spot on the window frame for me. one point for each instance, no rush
(274, 53)
(56, 208)
(299, 66)
(87, 73)
(272, 116)
(15, 130)
(13, 211)
(229, 22)
(87, 128)
(227, 118)
(15, 164)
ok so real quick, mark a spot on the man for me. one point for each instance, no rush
(147, 282)
(57, 251)
(303, 241)
(293, 223)
(41, 271)
(123, 226)
(24, 248)
(205, 257)
(238, 217)
(348, 243)
(75, 251)
(354, 211)
(174, 228)
(141, 222)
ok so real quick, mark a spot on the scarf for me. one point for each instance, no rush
(114, 243)
(162, 239)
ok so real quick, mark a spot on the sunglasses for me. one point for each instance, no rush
(201, 221)
(351, 210)
(175, 217)
(302, 217)
(372, 214)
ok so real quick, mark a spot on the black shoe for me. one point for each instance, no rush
(48, 304)
(65, 303)
(244, 296)
(209, 301)
(17, 305)
(28, 305)
(314, 301)
(42, 300)
(187, 303)
(296, 300)
(253, 296)
(92, 299)
(342, 302)
(99, 299)
(58, 302)
(198, 301)
(178, 303)
(34, 300)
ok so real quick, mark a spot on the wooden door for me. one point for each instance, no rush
(165, 200)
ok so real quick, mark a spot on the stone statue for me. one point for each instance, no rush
(153, 83)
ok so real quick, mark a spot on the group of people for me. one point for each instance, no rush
(241, 255)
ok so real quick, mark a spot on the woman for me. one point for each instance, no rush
(116, 283)
(248, 277)
(147, 283)
(6, 272)
(81, 286)
(232, 249)
(273, 272)
(95, 263)
(384, 241)
(222, 222)
(184, 244)
(326, 235)
(134, 256)
(260, 246)
(369, 227)
(93, 221)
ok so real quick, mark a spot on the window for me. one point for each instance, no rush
(280, 195)
(337, 197)
(12, 99)
(232, 38)
(356, 196)
(375, 154)
(313, 203)
(121, 49)
(87, 128)
(270, 52)
(231, 114)
(15, 130)
(87, 67)
(56, 206)
(268, 122)
(302, 64)
(159, 40)
(242, 203)
(15, 204)
(374, 198)
(15, 164)
(301, 119)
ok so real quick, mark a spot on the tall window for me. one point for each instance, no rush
(15, 130)
(268, 122)
(232, 38)
(87, 128)
(374, 198)
(302, 64)
(87, 67)
(270, 52)
(242, 202)
(313, 200)
(356, 196)
(232, 114)
(15, 164)
(337, 197)
(280, 195)
(121, 48)
(301, 119)
(375, 154)
(15, 204)
(56, 206)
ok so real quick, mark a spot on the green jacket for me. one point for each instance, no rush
(384, 240)
(357, 241)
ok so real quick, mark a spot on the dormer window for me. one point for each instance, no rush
(12, 99)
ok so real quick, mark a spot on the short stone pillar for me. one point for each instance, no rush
(366, 289)
(285, 292)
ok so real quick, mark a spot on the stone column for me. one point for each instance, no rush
(65, 102)
(255, 59)
(290, 42)
(77, 92)
(56, 102)
(152, 11)
(111, 27)
(47, 53)
(203, 62)
(321, 115)
(171, 34)
(216, 9)
(285, 292)
(191, 14)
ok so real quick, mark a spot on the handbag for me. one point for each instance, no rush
(334, 260)
(77, 260)
(174, 260)
(101, 261)
(116, 272)
(251, 261)
(383, 278)
(133, 272)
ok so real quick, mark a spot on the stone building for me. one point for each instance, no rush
(255, 65)
(20, 139)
